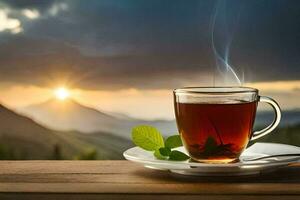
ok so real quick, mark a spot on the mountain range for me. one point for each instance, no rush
(69, 115)
(23, 138)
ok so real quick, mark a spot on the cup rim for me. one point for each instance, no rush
(216, 90)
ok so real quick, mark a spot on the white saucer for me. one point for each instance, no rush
(242, 167)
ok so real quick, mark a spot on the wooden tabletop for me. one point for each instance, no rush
(126, 180)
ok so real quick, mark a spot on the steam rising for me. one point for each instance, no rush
(223, 31)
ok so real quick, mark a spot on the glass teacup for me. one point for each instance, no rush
(215, 123)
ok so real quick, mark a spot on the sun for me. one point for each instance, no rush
(62, 93)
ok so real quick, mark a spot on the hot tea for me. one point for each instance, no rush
(215, 132)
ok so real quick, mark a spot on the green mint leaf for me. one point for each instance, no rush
(158, 155)
(147, 137)
(178, 156)
(173, 141)
(165, 151)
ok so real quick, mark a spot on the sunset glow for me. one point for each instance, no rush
(61, 93)
(287, 93)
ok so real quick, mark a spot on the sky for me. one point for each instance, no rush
(127, 55)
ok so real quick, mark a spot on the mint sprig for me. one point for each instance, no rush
(147, 137)
(165, 151)
(150, 139)
(173, 141)
(178, 155)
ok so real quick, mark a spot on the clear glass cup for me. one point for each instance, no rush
(216, 123)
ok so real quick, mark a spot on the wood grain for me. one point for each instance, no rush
(54, 179)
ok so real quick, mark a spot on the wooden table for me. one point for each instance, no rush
(126, 180)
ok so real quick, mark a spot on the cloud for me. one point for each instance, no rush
(33, 7)
(15, 15)
(50, 62)
(7, 23)
(112, 44)
(57, 7)
(31, 4)
(31, 13)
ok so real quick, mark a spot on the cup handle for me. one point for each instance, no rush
(276, 120)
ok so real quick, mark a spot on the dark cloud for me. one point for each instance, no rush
(21, 4)
(129, 27)
(51, 62)
(151, 44)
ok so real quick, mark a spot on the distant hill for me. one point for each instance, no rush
(23, 138)
(288, 118)
(286, 135)
(70, 115)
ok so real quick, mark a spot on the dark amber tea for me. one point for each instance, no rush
(215, 132)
